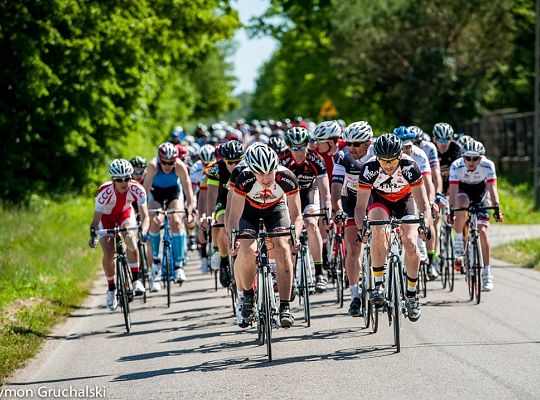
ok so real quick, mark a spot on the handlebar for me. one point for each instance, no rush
(116, 229)
(323, 212)
(167, 211)
(394, 222)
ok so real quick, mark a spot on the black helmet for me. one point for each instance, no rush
(388, 146)
(138, 162)
(232, 150)
(277, 144)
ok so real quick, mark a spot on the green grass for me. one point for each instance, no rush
(522, 252)
(517, 202)
(46, 271)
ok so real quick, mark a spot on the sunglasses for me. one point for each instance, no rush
(166, 162)
(138, 172)
(354, 144)
(467, 158)
(121, 180)
(443, 140)
(232, 162)
(388, 162)
(298, 148)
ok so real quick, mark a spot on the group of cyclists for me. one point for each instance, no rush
(227, 178)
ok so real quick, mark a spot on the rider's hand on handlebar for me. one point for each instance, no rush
(498, 215)
(450, 218)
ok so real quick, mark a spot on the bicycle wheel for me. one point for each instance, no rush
(267, 312)
(305, 284)
(478, 270)
(450, 255)
(396, 304)
(144, 270)
(122, 290)
(422, 279)
(232, 287)
(470, 271)
(340, 267)
(367, 307)
(167, 267)
(259, 300)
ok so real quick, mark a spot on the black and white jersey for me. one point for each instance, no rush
(347, 170)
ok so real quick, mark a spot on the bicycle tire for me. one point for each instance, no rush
(367, 307)
(267, 314)
(470, 271)
(121, 286)
(167, 260)
(396, 309)
(145, 277)
(443, 259)
(305, 284)
(422, 279)
(478, 270)
(451, 271)
(341, 274)
(215, 280)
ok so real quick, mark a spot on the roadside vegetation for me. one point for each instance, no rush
(522, 252)
(517, 201)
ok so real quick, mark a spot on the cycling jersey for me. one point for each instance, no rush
(307, 171)
(393, 187)
(116, 207)
(197, 175)
(260, 197)
(472, 183)
(329, 160)
(166, 187)
(347, 169)
(421, 159)
(432, 154)
(165, 179)
(446, 160)
(219, 175)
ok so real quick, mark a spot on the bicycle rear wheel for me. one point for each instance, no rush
(422, 279)
(340, 269)
(478, 270)
(167, 267)
(144, 270)
(450, 255)
(267, 312)
(122, 288)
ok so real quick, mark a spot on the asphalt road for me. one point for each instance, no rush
(193, 350)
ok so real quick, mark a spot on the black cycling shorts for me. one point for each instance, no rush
(398, 209)
(166, 194)
(307, 197)
(275, 218)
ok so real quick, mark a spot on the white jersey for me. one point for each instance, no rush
(431, 151)
(108, 201)
(197, 173)
(473, 183)
(420, 158)
(346, 170)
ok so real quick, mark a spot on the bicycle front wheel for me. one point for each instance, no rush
(470, 270)
(340, 268)
(443, 257)
(122, 288)
(422, 279)
(167, 268)
(267, 313)
(478, 270)
(367, 307)
(450, 255)
(396, 304)
(305, 284)
(144, 270)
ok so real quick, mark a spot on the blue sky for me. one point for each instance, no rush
(251, 53)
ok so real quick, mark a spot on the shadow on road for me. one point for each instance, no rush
(77, 378)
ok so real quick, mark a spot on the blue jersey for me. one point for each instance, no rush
(164, 180)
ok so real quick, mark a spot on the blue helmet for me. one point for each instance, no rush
(405, 134)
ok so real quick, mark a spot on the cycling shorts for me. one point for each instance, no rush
(309, 198)
(474, 199)
(275, 218)
(398, 209)
(121, 221)
(349, 203)
(220, 209)
(166, 194)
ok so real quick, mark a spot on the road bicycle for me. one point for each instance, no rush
(369, 311)
(394, 304)
(167, 258)
(336, 257)
(267, 314)
(473, 261)
(124, 285)
(210, 251)
(145, 272)
(446, 246)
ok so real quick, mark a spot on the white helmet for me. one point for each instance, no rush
(473, 148)
(464, 139)
(120, 168)
(207, 153)
(327, 130)
(358, 132)
(261, 159)
(442, 130)
(167, 150)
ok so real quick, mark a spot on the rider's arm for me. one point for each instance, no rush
(236, 207)
(151, 171)
(420, 198)
(324, 189)
(294, 205)
(211, 197)
(201, 202)
(336, 196)
(362, 199)
(182, 173)
(145, 221)
(491, 187)
(437, 179)
(95, 220)
(227, 212)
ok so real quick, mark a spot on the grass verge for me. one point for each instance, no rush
(517, 201)
(46, 271)
(521, 252)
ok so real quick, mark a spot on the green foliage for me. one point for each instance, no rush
(522, 252)
(46, 270)
(516, 202)
(80, 77)
(397, 62)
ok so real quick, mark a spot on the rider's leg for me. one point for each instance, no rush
(462, 201)
(378, 244)
(409, 237)
(155, 224)
(314, 243)
(244, 265)
(178, 235)
(284, 267)
(353, 250)
(224, 274)
(107, 246)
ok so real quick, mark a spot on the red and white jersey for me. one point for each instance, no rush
(116, 207)
(421, 159)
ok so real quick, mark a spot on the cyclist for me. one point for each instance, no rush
(309, 169)
(232, 153)
(447, 149)
(472, 177)
(197, 175)
(113, 207)
(166, 181)
(394, 182)
(278, 144)
(348, 166)
(270, 191)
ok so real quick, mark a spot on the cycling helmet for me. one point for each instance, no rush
(473, 148)
(464, 139)
(277, 144)
(167, 150)
(120, 168)
(406, 135)
(178, 132)
(457, 135)
(388, 146)
(327, 130)
(261, 159)
(296, 136)
(207, 153)
(138, 162)
(359, 131)
(442, 130)
(232, 150)
(418, 133)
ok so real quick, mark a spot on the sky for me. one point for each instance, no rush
(251, 53)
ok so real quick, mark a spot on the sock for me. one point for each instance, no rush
(249, 292)
(110, 283)
(378, 274)
(459, 236)
(183, 246)
(216, 250)
(177, 244)
(487, 270)
(411, 286)
(318, 267)
(325, 255)
(283, 304)
(354, 291)
(155, 238)
(134, 267)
